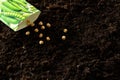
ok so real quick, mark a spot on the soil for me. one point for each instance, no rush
(91, 50)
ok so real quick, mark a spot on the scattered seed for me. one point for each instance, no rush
(40, 35)
(65, 30)
(40, 23)
(41, 42)
(27, 33)
(32, 24)
(42, 27)
(48, 38)
(63, 37)
(36, 30)
(48, 25)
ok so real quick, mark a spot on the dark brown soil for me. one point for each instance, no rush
(90, 52)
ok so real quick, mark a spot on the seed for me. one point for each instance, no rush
(41, 42)
(40, 23)
(40, 35)
(32, 24)
(28, 22)
(36, 30)
(42, 27)
(65, 30)
(27, 33)
(48, 38)
(63, 37)
(48, 25)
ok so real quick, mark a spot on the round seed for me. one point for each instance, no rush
(42, 27)
(41, 42)
(48, 38)
(36, 30)
(40, 23)
(65, 30)
(28, 22)
(27, 33)
(32, 24)
(40, 35)
(48, 25)
(63, 37)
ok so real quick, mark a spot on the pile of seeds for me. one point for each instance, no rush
(41, 35)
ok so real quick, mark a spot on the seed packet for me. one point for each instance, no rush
(16, 13)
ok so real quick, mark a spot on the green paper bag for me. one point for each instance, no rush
(16, 13)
